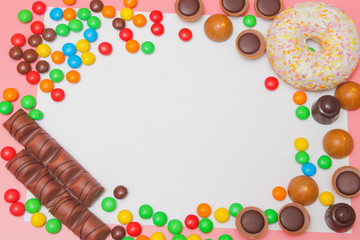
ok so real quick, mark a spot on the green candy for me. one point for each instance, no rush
(127, 238)
(62, 30)
(178, 237)
(53, 226)
(311, 49)
(28, 102)
(175, 226)
(235, 208)
(147, 47)
(75, 25)
(84, 14)
(32, 205)
(145, 211)
(56, 75)
(302, 157)
(36, 114)
(6, 107)
(249, 21)
(93, 22)
(108, 204)
(324, 162)
(159, 219)
(225, 237)
(271, 216)
(206, 225)
(25, 16)
(302, 112)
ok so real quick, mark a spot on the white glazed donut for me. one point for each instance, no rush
(295, 63)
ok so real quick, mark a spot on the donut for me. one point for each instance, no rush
(295, 63)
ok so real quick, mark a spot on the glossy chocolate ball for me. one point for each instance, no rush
(42, 66)
(303, 190)
(35, 40)
(348, 95)
(15, 53)
(23, 67)
(30, 55)
(96, 5)
(218, 28)
(338, 143)
(120, 192)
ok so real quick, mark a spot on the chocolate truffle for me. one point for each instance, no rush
(42, 66)
(120, 192)
(338, 143)
(49, 34)
(251, 223)
(234, 8)
(30, 55)
(23, 67)
(348, 95)
(340, 217)
(96, 5)
(118, 23)
(326, 109)
(118, 232)
(294, 219)
(268, 9)
(250, 43)
(189, 10)
(15, 53)
(303, 190)
(346, 181)
(218, 27)
(35, 40)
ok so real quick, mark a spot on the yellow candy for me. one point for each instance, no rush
(221, 215)
(43, 50)
(126, 14)
(38, 219)
(124, 217)
(194, 237)
(83, 45)
(157, 236)
(301, 144)
(326, 198)
(88, 58)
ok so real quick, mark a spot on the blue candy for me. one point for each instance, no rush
(56, 14)
(90, 35)
(69, 49)
(74, 61)
(308, 169)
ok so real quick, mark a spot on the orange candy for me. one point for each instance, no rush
(46, 85)
(73, 76)
(58, 57)
(204, 210)
(10, 94)
(69, 14)
(139, 20)
(69, 2)
(299, 97)
(108, 11)
(130, 3)
(279, 193)
(142, 237)
(132, 46)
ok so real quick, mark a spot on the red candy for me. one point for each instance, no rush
(18, 40)
(7, 153)
(157, 29)
(133, 229)
(39, 7)
(37, 27)
(126, 34)
(271, 83)
(191, 221)
(11, 195)
(17, 209)
(156, 16)
(105, 48)
(185, 34)
(57, 94)
(33, 77)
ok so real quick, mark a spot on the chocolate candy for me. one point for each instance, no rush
(340, 217)
(234, 8)
(251, 223)
(189, 10)
(250, 43)
(294, 219)
(96, 5)
(303, 190)
(348, 93)
(55, 159)
(346, 181)
(338, 143)
(218, 27)
(326, 109)
(35, 40)
(268, 9)
(118, 232)
(42, 66)
(120, 192)
(30, 55)
(118, 23)
(49, 34)
(23, 67)
(15, 53)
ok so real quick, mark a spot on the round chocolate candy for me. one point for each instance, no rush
(23, 67)
(338, 143)
(218, 27)
(251, 223)
(49, 34)
(35, 40)
(348, 94)
(340, 217)
(189, 10)
(303, 190)
(234, 8)
(30, 55)
(250, 43)
(118, 232)
(294, 219)
(326, 109)
(120, 192)
(96, 5)
(42, 66)
(15, 53)
(268, 9)
(118, 23)
(346, 181)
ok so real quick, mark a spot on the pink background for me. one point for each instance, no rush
(15, 228)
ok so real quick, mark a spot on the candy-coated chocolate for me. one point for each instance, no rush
(326, 198)
(23, 67)
(7, 153)
(299, 97)
(221, 215)
(134, 229)
(185, 34)
(126, 13)
(203, 210)
(25, 16)
(302, 157)
(218, 28)
(108, 204)
(338, 143)
(175, 226)
(62, 30)
(15, 53)
(33, 77)
(57, 94)
(10, 94)
(249, 21)
(49, 34)
(118, 23)
(84, 14)
(120, 192)
(96, 5)
(90, 35)
(17, 209)
(6, 107)
(156, 16)
(118, 232)
(39, 7)
(42, 66)
(124, 217)
(56, 14)
(93, 22)
(30, 55)
(235, 208)
(105, 48)
(324, 162)
(145, 211)
(308, 169)
(32, 205)
(35, 40)
(191, 221)
(157, 29)
(303, 190)
(271, 216)
(18, 40)
(38, 219)
(279, 193)
(53, 226)
(159, 219)
(36, 114)
(37, 27)
(206, 225)
(11, 195)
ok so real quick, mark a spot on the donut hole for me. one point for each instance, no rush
(313, 44)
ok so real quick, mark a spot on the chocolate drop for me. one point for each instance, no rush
(340, 217)
(249, 43)
(96, 5)
(118, 23)
(15, 53)
(348, 183)
(268, 7)
(233, 6)
(120, 192)
(23, 67)
(326, 109)
(42, 66)
(35, 40)
(118, 232)
(292, 218)
(252, 222)
(49, 34)
(30, 55)
(188, 7)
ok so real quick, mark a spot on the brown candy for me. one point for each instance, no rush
(30, 55)
(35, 40)
(326, 109)
(251, 223)
(23, 67)
(348, 95)
(15, 53)
(303, 190)
(250, 43)
(234, 8)
(42, 66)
(118, 232)
(96, 5)
(294, 219)
(118, 23)
(218, 27)
(338, 143)
(340, 217)
(346, 181)
(189, 10)
(120, 192)
(268, 9)
(49, 34)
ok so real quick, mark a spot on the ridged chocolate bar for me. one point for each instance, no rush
(53, 157)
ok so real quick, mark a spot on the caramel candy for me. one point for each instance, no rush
(340, 217)
(348, 95)
(338, 143)
(250, 43)
(268, 9)
(294, 219)
(218, 27)
(303, 190)
(234, 8)
(189, 10)
(326, 109)
(251, 223)
(346, 181)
